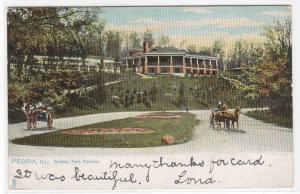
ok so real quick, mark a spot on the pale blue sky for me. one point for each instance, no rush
(199, 25)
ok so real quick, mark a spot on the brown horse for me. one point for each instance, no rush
(234, 117)
(226, 116)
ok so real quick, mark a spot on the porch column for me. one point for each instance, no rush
(126, 63)
(139, 65)
(191, 65)
(204, 66)
(183, 65)
(198, 71)
(210, 67)
(217, 66)
(158, 65)
(171, 65)
(146, 65)
(133, 62)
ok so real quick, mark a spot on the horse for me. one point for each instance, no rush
(234, 117)
(33, 115)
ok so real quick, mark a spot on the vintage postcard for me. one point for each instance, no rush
(150, 97)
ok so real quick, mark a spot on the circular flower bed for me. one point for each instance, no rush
(100, 131)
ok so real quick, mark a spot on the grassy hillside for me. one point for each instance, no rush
(140, 95)
(157, 93)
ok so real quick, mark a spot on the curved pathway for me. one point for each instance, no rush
(255, 136)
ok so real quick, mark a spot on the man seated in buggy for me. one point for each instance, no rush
(222, 110)
(42, 110)
(218, 108)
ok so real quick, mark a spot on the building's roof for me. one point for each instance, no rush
(166, 50)
(135, 49)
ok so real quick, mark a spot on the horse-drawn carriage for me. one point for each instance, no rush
(224, 115)
(36, 113)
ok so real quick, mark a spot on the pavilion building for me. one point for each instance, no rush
(170, 60)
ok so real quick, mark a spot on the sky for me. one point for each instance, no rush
(197, 25)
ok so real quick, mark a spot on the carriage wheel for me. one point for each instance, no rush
(34, 123)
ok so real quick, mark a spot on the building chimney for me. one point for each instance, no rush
(146, 47)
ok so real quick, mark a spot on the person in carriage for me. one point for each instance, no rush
(222, 110)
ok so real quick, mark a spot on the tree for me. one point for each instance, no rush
(134, 40)
(139, 97)
(51, 32)
(270, 77)
(164, 41)
(205, 50)
(240, 56)
(182, 100)
(217, 49)
(192, 48)
(154, 93)
(182, 44)
(113, 44)
(98, 37)
(48, 31)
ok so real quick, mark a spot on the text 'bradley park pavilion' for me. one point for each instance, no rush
(170, 60)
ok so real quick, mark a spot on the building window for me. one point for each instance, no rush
(194, 62)
(164, 60)
(207, 63)
(177, 60)
(214, 64)
(188, 62)
(201, 63)
(152, 60)
(136, 61)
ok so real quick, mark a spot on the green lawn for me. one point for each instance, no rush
(282, 119)
(181, 129)
(202, 93)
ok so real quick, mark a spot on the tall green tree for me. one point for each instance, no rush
(113, 44)
(192, 48)
(134, 40)
(270, 77)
